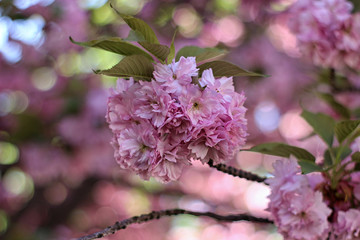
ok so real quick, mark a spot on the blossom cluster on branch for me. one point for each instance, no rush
(327, 32)
(161, 125)
(304, 206)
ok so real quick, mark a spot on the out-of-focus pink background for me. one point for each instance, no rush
(58, 176)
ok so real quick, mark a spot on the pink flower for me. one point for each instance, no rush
(174, 157)
(167, 171)
(207, 78)
(177, 125)
(135, 148)
(304, 216)
(284, 172)
(181, 71)
(202, 107)
(320, 26)
(151, 102)
(222, 137)
(224, 86)
(348, 225)
(298, 211)
(120, 111)
(122, 85)
(177, 74)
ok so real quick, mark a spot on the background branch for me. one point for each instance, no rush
(237, 172)
(171, 212)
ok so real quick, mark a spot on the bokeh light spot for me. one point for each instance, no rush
(137, 203)
(69, 64)
(293, 126)
(5, 103)
(21, 102)
(28, 31)
(79, 219)
(103, 15)
(267, 116)
(275, 236)
(13, 102)
(283, 39)
(18, 183)
(89, 4)
(4, 30)
(188, 21)
(24, 4)
(227, 5)
(44, 78)
(9, 153)
(185, 221)
(228, 30)
(256, 198)
(56, 193)
(12, 51)
(129, 7)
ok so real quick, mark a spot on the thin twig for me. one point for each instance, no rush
(237, 172)
(171, 212)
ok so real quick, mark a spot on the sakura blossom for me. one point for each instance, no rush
(326, 32)
(298, 211)
(160, 126)
(348, 224)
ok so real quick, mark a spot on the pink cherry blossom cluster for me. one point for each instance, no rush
(327, 32)
(162, 125)
(302, 210)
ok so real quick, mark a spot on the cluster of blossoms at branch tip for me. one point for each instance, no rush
(327, 32)
(161, 125)
(302, 209)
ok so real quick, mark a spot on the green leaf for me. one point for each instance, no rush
(309, 166)
(172, 48)
(322, 124)
(347, 128)
(139, 25)
(222, 68)
(136, 66)
(159, 51)
(328, 159)
(210, 55)
(135, 36)
(115, 45)
(201, 54)
(283, 150)
(345, 152)
(339, 108)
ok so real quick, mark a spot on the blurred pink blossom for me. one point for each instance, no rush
(327, 32)
(348, 225)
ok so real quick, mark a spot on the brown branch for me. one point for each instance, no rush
(171, 212)
(237, 172)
